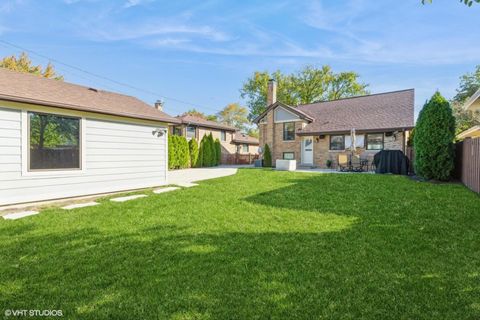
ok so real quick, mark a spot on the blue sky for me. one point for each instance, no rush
(202, 51)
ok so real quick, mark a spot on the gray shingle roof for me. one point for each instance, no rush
(240, 137)
(28, 88)
(199, 121)
(390, 110)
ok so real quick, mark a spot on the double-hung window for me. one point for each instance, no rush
(375, 141)
(53, 142)
(223, 135)
(288, 131)
(245, 148)
(337, 142)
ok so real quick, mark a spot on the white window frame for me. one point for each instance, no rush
(52, 172)
(223, 135)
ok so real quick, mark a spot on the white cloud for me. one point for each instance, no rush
(158, 29)
(133, 3)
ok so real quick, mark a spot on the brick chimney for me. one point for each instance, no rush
(271, 92)
(159, 105)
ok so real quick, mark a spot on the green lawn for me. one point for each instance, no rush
(260, 244)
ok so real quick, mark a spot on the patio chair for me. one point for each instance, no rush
(357, 164)
(343, 163)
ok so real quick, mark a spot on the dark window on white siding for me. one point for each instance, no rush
(53, 142)
(337, 142)
(245, 148)
(223, 135)
(375, 141)
(289, 131)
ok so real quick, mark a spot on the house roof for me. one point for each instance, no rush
(28, 88)
(470, 101)
(296, 111)
(473, 132)
(201, 122)
(390, 110)
(240, 137)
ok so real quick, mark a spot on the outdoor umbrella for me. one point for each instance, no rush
(353, 139)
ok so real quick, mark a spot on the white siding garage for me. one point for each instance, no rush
(115, 155)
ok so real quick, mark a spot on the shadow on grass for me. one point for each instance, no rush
(402, 258)
(239, 275)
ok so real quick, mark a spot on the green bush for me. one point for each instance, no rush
(183, 152)
(206, 151)
(267, 156)
(213, 152)
(218, 152)
(171, 153)
(193, 148)
(178, 152)
(433, 139)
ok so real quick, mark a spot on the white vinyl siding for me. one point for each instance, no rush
(119, 156)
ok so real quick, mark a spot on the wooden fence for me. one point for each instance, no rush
(467, 163)
(238, 158)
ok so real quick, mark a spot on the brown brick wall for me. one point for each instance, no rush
(272, 134)
(321, 152)
(227, 146)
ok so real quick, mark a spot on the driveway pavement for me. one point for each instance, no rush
(198, 174)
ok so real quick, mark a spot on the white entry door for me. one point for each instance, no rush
(307, 150)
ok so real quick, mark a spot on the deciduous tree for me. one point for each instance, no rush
(234, 115)
(22, 63)
(310, 84)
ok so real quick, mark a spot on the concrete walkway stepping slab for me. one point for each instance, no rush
(19, 215)
(80, 205)
(127, 198)
(162, 190)
(187, 184)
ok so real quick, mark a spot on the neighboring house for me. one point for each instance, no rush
(60, 140)
(472, 105)
(314, 133)
(231, 139)
(245, 144)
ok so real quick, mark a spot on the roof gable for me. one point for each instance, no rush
(273, 106)
(281, 115)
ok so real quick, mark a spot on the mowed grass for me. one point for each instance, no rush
(257, 245)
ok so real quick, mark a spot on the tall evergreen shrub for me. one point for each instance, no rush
(433, 139)
(193, 148)
(213, 152)
(201, 151)
(206, 152)
(183, 152)
(171, 153)
(218, 152)
(267, 156)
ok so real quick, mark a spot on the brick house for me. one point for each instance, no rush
(314, 133)
(231, 139)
